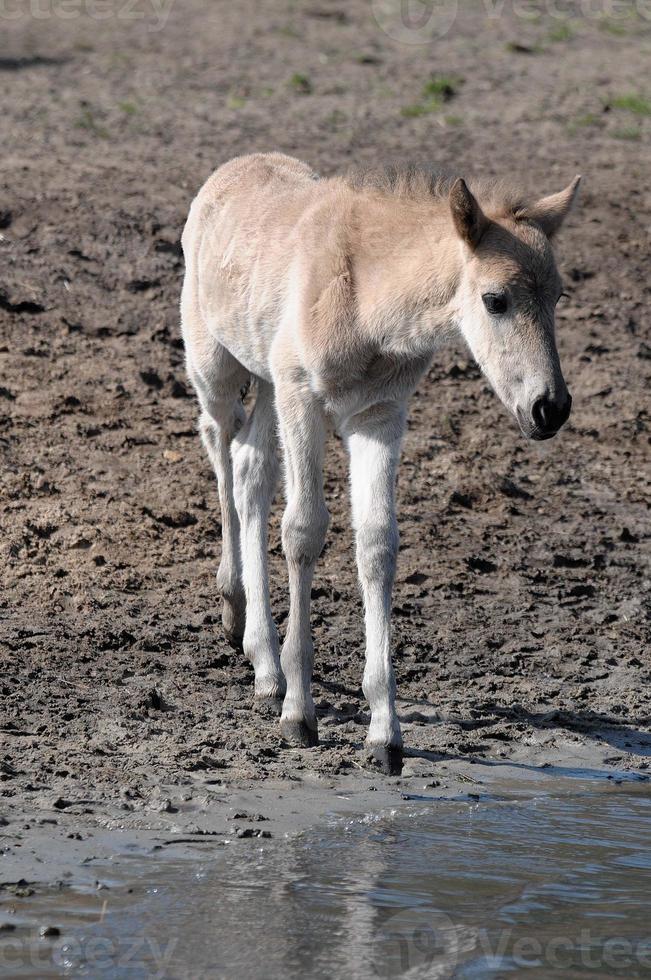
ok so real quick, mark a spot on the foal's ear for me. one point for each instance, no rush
(550, 212)
(469, 219)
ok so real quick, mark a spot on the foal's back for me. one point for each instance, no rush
(239, 243)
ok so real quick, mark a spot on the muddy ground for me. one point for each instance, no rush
(521, 605)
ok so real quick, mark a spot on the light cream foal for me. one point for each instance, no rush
(332, 296)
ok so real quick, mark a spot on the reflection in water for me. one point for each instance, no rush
(545, 887)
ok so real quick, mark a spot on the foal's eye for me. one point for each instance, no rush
(495, 303)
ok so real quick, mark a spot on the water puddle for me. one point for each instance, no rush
(543, 886)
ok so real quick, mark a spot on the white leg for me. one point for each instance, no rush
(255, 469)
(373, 439)
(218, 384)
(304, 527)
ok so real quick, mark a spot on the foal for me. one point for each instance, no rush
(332, 295)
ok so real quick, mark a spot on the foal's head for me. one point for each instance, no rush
(506, 301)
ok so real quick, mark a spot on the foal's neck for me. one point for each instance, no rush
(408, 265)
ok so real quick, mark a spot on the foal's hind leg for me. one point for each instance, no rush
(219, 383)
(216, 434)
(255, 471)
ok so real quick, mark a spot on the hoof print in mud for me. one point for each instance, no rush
(386, 759)
(299, 735)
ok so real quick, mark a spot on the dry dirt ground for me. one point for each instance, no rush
(521, 604)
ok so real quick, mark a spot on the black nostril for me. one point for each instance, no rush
(548, 416)
(540, 413)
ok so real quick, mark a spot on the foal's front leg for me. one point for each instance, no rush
(373, 439)
(304, 527)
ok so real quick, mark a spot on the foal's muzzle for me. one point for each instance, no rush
(548, 416)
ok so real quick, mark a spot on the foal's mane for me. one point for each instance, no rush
(410, 182)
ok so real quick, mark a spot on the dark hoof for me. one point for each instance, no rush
(234, 640)
(268, 707)
(233, 619)
(386, 759)
(299, 734)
